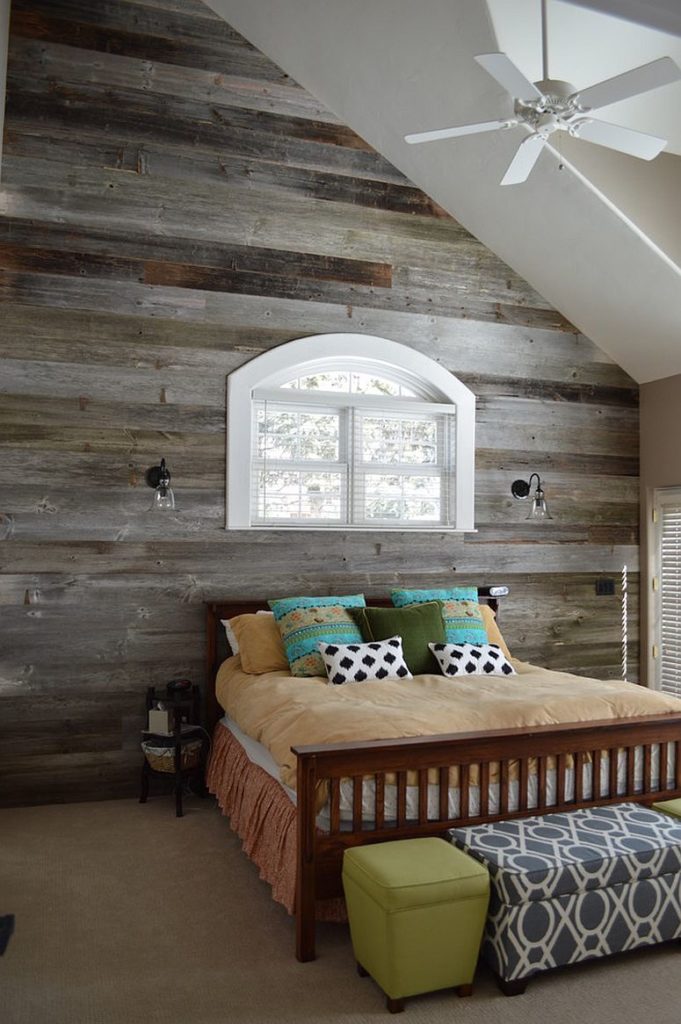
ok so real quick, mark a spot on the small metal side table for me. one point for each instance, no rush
(184, 706)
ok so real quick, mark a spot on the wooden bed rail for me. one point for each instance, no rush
(582, 761)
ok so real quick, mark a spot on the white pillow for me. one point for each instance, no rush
(472, 660)
(231, 636)
(356, 663)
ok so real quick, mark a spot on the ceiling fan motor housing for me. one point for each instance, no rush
(553, 110)
(555, 89)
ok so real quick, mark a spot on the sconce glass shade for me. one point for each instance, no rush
(158, 477)
(521, 489)
(163, 499)
(539, 509)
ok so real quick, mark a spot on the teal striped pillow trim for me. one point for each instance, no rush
(401, 597)
(304, 622)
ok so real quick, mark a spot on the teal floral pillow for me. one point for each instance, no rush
(304, 622)
(460, 611)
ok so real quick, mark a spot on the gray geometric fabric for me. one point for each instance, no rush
(554, 854)
(573, 886)
(535, 936)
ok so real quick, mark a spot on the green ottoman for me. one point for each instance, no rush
(672, 807)
(417, 910)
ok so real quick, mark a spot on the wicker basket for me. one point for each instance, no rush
(162, 759)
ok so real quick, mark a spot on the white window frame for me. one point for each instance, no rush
(264, 376)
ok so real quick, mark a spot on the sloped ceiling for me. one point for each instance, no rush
(598, 234)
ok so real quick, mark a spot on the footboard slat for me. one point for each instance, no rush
(334, 805)
(522, 785)
(560, 779)
(496, 772)
(542, 798)
(401, 798)
(443, 783)
(463, 790)
(357, 803)
(579, 776)
(379, 800)
(596, 774)
(647, 754)
(503, 787)
(423, 796)
(484, 789)
(612, 774)
(630, 753)
(663, 774)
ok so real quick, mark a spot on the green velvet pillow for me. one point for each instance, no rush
(460, 610)
(418, 626)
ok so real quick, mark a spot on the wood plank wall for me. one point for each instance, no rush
(173, 204)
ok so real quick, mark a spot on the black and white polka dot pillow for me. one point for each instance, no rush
(472, 660)
(357, 663)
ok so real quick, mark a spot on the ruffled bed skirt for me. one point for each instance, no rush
(263, 817)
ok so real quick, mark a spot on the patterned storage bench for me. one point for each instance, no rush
(577, 885)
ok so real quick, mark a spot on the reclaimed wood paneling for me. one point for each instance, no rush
(173, 204)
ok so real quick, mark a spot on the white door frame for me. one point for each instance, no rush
(661, 496)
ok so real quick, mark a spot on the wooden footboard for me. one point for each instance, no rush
(531, 772)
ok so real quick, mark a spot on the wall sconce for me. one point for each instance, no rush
(539, 509)
(158, 477)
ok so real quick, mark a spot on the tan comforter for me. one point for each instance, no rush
(283, 711)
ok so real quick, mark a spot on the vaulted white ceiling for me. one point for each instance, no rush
(599, 237)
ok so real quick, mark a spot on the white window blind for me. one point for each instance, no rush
(402, 468)
(300, 470)
(359, 464)
(670, 597)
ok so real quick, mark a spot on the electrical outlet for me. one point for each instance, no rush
(605, 587)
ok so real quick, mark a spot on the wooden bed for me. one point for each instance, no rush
(505, 755)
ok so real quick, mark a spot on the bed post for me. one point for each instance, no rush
(305, 887)
(212, 709)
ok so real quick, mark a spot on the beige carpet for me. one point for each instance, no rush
(126, 915)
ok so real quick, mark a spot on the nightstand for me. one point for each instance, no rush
(180, 752)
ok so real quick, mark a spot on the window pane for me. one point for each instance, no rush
(297, 436)
(355, 383)
(298, 494)
(370, 384)
(389, 440)
(330, 381)
(402, 497)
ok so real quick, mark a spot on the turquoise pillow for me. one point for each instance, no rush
(461, 612)
(306, 621)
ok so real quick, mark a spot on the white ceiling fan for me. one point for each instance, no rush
(550, 105)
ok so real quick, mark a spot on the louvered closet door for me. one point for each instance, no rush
(669, 590)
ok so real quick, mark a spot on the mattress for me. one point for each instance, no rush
(259, 755)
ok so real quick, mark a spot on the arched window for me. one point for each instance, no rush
(348, 431)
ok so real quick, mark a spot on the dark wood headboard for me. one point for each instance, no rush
(217, 648)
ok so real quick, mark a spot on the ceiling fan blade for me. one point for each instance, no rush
(524, 160)
(501, 67)
(464, 129)
(632, 83)
(626, 140)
